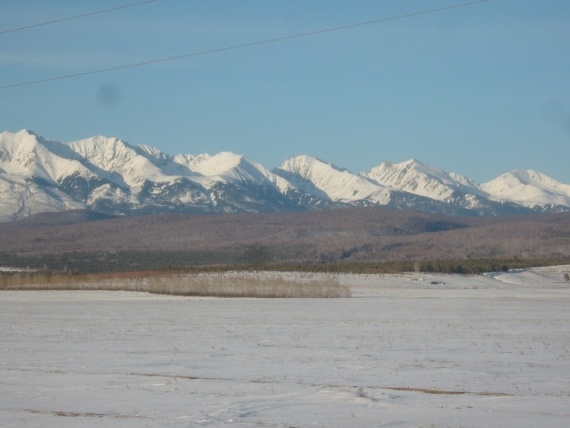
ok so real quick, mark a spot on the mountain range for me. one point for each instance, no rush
(111, 176)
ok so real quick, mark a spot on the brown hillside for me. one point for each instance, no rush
(351, 234)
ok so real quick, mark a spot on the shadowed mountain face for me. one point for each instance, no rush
(113, 177)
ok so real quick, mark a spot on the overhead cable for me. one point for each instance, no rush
(240, 46)
(69, 18)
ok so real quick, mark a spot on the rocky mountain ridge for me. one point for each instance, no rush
(114, 177)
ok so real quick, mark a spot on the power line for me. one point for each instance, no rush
(69, 18)
(244, 45)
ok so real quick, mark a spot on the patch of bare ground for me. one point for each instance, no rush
(65, 413)
(446, 392)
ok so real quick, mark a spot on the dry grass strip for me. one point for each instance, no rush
(182, 284)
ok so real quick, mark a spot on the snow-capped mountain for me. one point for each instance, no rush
(112, 176)
(329, 182)
(115, 177)
(529, 188)
(452, 188)
(421, 179)
(28, 155)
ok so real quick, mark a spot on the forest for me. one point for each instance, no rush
(366, 239)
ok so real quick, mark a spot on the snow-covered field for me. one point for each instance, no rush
(405, 351)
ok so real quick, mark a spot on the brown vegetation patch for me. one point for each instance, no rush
(342, 236)
(179, 284)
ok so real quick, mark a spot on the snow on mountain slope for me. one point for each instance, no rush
(328, 181)
(21, 197)
(191, 162)
(421, 179)
(466, 181)
(112, 176)
(134, 166)
(237, 184)
(229, 167)
(217, 165)
(29, 155)
(529, 188)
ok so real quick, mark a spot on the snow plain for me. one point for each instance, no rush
(405, 351)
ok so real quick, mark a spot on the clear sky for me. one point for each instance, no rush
(480, 90)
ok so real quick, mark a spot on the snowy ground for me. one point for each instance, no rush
(404, 351)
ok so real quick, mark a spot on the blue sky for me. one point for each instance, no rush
(480, 90)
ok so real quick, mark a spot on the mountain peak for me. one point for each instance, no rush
(26, 154)
(215, 165)
(530, 175)
(324, 179)
(421, 179)
(413, 162)
(26, 132)
(423, 167)
(109, 174)
(133, 164)
(410, 164)
(304, 164)
(525, 176)
(102, 139)
(20, 137)
(528, 187)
